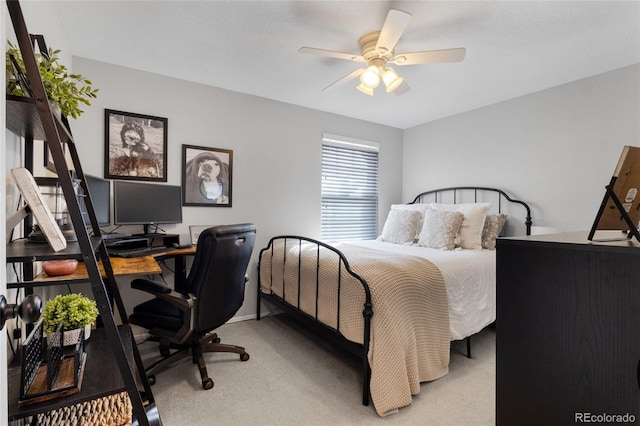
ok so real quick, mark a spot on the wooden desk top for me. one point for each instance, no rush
(189, 251)
(145, 265)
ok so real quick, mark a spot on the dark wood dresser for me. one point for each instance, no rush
(568, 330)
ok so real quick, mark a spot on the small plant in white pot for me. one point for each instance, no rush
(74, 311)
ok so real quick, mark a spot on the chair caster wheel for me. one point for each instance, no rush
(207, 383)
(216, 340)
(152, 379)
(244, 357)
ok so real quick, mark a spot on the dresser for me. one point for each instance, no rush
(567, 330)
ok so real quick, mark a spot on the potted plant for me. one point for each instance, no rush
(68, 91)
(74, 311)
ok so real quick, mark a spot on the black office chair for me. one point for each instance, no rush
(184, 319)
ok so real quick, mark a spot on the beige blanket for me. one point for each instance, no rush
(410, 331)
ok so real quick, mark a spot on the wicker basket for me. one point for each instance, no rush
(112, 410)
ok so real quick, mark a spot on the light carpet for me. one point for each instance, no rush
(294, 378)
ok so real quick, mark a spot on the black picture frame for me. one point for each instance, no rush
(207, 176)
(48, 160)
(135, 146)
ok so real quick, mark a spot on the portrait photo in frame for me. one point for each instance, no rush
(135, 146)
(206, 176)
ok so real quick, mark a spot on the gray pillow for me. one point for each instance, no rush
(493, 225)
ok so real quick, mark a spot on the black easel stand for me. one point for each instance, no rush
(633, 229)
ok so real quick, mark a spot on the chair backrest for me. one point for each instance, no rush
(217, 276)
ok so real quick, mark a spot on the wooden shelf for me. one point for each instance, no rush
(26, 251)
(101, 376)
(23, 119)
(146, 265)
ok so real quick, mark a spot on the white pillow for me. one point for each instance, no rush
(440, 229)
(401, 226)
(473, 223)
(416, 207)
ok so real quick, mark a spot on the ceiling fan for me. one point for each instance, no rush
(377, 50)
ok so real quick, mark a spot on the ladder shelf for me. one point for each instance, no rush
(113, 358)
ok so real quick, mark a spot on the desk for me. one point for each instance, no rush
(179, 257)
(121, 266)
(145, 265)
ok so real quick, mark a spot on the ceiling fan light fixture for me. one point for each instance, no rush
(365, 89)
(391, 79)
(378, 49)
(371, 77)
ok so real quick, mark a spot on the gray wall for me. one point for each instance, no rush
(276, 150)
(555, 149)
(277, 146)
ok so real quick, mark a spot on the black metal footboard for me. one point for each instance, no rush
(311, 319)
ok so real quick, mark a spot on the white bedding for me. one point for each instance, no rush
(470, 277)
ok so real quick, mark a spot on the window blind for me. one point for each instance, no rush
(349, 191)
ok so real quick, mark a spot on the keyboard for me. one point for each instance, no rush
(135, 251)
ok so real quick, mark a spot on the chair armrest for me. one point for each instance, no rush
(149, 286)
(177, 299)
(185, 304)
(162, 291)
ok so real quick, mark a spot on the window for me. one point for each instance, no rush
(349, 189)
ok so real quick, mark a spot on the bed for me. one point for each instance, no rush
(398, 301)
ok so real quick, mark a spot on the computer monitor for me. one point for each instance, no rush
(100, 190)
(146, 203)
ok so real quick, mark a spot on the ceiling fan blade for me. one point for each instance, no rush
(332, 54)
(429, 57)
(393, 27)
(347, 78)
(402, 89)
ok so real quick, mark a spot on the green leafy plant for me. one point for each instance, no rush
(69, 91)
(73, 310)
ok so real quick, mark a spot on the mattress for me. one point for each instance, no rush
(470, 279)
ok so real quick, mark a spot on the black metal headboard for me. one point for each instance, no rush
(455, 194)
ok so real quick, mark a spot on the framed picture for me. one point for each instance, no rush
(206, 176)
(48, 158)
(31, 193)
(135, 146)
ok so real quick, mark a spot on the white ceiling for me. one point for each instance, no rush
(513, 48)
